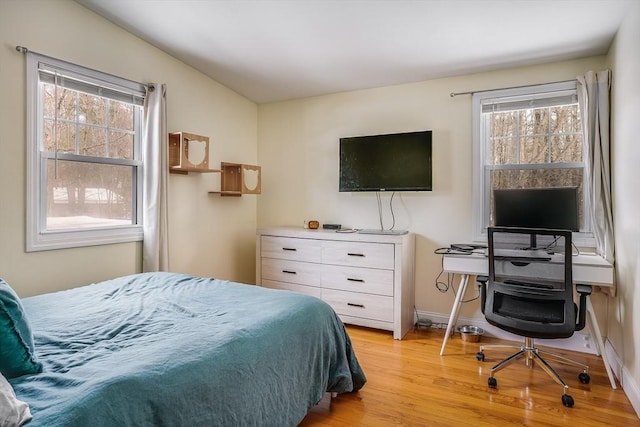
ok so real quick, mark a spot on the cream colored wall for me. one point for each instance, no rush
(209, 235)
(298, 151)
(624, 314)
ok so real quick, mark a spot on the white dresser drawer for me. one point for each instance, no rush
(358, 254)
(309, 290)
(303, 273)
(357, 279)
(366, 306)
(291, 248)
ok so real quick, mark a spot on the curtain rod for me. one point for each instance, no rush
(25, 50)
(453, 94)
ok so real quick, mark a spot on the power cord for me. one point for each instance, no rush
(441, 285)
(554, 244)
(445, 286)
(393, 215)
(380, 214)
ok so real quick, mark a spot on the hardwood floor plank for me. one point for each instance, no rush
(410, 384)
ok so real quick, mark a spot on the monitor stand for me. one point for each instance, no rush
(378, 231)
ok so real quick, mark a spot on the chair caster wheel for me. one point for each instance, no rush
(567, 400)
(584, 378)
(493, 383)
(480, 356)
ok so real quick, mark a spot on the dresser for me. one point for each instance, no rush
(368, 279)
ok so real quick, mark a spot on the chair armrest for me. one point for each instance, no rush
(583, 291)
(482, 287)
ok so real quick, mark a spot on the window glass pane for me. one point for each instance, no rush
(504, 151)
(49, 104)
(66, 137)
(121, 145)
(63, 102)
(534, 150)
(92, 109)
(534, 121)
(121, 116)
(565, 119)
(566, 148)
(92, 141)
(504, 124)
(88, 195)
(538, 178)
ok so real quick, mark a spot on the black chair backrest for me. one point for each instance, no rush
(529, 291)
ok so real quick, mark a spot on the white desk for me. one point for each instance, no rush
(587, 269)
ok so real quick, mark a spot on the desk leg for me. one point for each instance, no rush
(453, 318)
(599, 343)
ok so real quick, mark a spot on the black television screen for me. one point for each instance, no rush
(391, 162)
(551, 208)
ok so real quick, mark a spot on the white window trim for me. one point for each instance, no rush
(37, 239)
(480, 188)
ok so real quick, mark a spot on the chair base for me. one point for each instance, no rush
(534, 355)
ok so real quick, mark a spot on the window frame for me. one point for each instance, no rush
(38, 238)
(481, 171)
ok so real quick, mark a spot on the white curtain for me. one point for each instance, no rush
(593, 98)
(155, 247)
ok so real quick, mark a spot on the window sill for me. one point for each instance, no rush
(74, 239)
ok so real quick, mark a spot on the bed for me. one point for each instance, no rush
(156, 349)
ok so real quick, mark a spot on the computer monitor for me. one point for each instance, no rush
(551, 208)
(548, 208)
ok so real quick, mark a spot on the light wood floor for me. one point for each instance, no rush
(410, 384)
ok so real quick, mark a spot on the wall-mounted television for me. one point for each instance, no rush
(390, 162)
(553, 208)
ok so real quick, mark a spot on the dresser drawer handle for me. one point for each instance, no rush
(354, 254)
(355, 305)
(355, 280)
(289, 272)
(289, 249)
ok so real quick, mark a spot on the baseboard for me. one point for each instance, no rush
(627, 381)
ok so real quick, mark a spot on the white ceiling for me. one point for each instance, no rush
(273, 50)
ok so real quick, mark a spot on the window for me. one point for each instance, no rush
(528, 137)
(84, 165)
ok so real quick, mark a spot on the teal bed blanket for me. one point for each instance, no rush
(166, 349)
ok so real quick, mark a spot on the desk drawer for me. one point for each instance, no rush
(303, 273)
(291, 248)
(357, 279)
(365, 306)
(359, 254)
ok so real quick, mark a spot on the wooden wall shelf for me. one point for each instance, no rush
(189, 152)
(238, 179)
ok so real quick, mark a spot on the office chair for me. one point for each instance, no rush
(529, 292)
